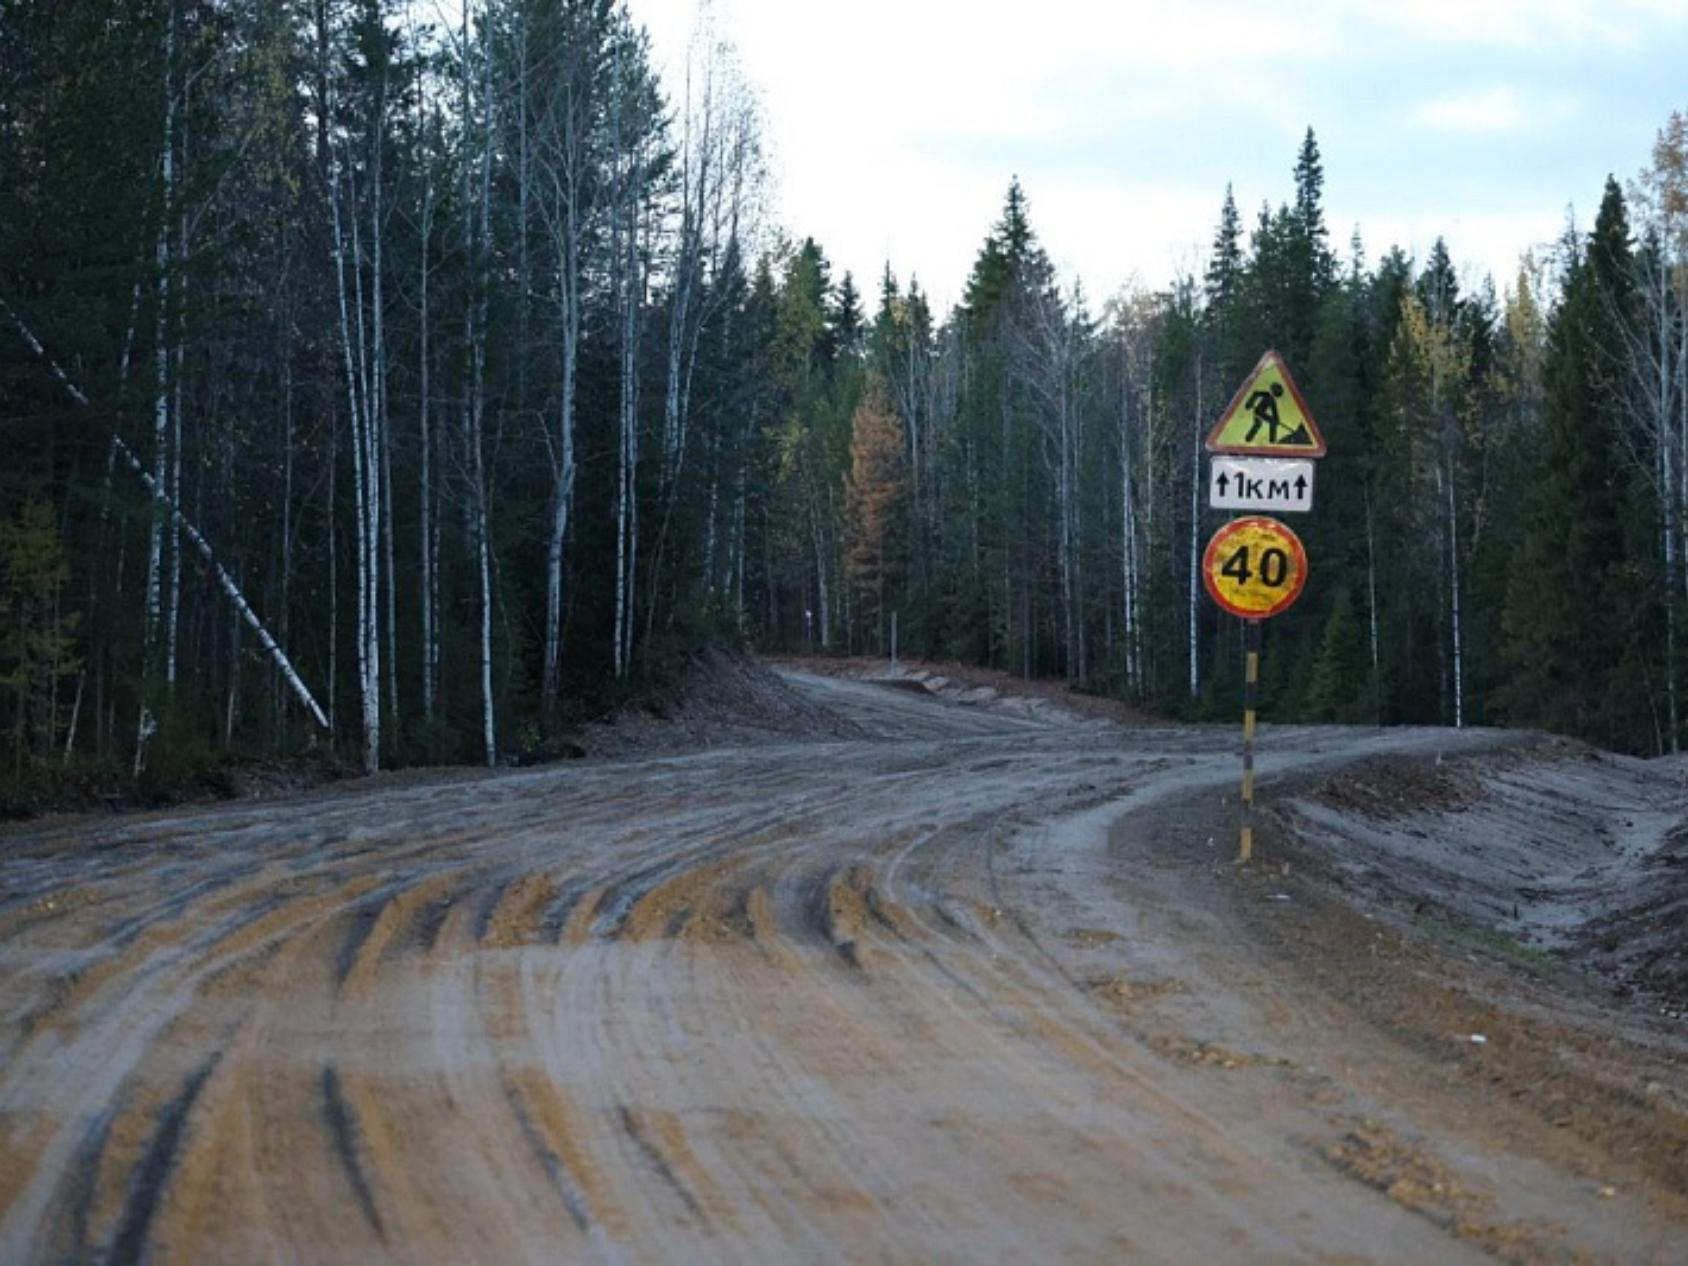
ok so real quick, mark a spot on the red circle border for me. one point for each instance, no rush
(1223, 535)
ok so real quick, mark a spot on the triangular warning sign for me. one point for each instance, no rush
(1267, 417)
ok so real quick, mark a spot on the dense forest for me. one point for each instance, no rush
(415, 391)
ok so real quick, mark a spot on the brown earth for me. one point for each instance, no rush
(971, 685)
(723, 699)
(955, 977)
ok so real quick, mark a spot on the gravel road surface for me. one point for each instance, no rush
(944, 993)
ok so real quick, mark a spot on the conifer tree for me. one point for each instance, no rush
(37, 639)
(1332, 693)
(874, 504)
(1573, 605)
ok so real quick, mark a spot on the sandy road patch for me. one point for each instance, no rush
(950, 992)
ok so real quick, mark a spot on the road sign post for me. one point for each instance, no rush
(1255, 568)
(1264, 447)
(1251, 688)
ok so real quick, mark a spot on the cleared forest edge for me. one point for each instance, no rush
(717, 698)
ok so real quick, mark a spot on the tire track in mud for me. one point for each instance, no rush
(347, 1134)
(753, 1005)
(377, 921)
(103, 1115)
(153, 1170)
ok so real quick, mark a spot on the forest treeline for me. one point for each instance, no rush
(419, 389)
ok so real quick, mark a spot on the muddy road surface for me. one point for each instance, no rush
(979, 986)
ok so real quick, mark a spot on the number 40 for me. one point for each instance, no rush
(1274, 567)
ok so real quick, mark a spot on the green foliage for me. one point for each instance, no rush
(1340, 687)
(1579, 611)
(1021, 479)
(37, 641)
(875, 523)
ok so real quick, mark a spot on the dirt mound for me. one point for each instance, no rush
(1544, 853)
(725, 699)
(977, 687)
(1643, 946)
(1388, 789)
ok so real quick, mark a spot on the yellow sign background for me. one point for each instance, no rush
(1243, 432)
(1255, 567)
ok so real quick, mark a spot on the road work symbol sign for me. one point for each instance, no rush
(1267, 417)
(1260, 483)
(1255, 568)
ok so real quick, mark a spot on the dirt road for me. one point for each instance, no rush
(978, 987)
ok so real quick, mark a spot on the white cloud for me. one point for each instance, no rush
(896, 124)
(1491, 242)
(1493, 111)
(1486, 110)
(1527, 24)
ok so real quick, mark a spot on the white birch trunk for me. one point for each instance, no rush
(147, 724)
(711, 520)
(228, 586)
(286, 531)
(1129, 557)
(477, 241)
(384, 652)
(333, 585)
(1454, 601)
(626, 411)
(425, 409)
(740, 545)
(1195, 536)
(352, 345)
(1371, 609)
(173, 623)
(1671, 383)
(1065, 493)
(565, 155)
(627, 241)
(232, 699)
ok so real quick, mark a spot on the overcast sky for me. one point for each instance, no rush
(895, 125)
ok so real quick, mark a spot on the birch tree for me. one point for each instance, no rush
(1655, 374)
(1132, 336)
(1431, 371)
(637, 163)
(476, 209)
(567, 148)
(148, 725)
(355, 136)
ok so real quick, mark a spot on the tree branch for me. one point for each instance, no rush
(221, 574)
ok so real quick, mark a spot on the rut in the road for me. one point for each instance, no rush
(880, 998)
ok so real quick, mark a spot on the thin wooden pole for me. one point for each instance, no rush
(1251, 688)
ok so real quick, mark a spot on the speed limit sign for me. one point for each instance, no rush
(1255, 568)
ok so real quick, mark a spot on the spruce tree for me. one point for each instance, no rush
(1341, 671)
(874, 504)
(1224, 268)
(1224, 285)
(846, 319)
(1572, 599)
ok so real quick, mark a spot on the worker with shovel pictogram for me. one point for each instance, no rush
(1264, 405)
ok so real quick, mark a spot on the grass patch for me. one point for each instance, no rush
(1490, 941)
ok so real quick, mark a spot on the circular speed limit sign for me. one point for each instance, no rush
(1255, 568)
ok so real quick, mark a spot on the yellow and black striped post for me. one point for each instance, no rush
(1251, 687)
